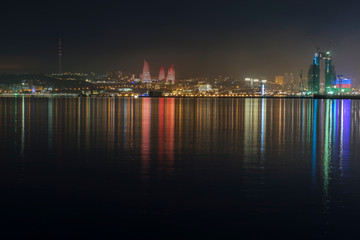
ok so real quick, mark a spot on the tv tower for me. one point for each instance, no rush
(60, 55)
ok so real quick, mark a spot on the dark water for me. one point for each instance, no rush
(179, 168)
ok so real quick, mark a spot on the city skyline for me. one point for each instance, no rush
(180, 119)
(206, 39)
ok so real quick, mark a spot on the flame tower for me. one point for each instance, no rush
(162, 73)
(145, 77)
(171, 75)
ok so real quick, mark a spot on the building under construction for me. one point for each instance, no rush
(314, 73)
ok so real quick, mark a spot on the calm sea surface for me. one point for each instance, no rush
(179, 168)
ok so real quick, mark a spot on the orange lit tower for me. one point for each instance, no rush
(171, 75)
(146, 73)
(162, 73)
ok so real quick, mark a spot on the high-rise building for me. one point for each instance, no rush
(279, 80)
(291, 85)
(314, 75)
(291, 79)
(301, 81)
(330, 74)
(162, 73)
(171, 75)
(145, 77)
(286, 79)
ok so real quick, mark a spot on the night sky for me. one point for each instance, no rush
(202, 38)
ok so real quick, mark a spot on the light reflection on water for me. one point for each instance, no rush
(255, 148)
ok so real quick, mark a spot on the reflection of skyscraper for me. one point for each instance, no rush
(145, 77)
(161, 131)
(145, 135)
(170, 132)
(251, 126)
(263, 128)
(171, 75)
(345, 135)
(166, 133)
(162, 73)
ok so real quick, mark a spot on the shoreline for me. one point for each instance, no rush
(139, 96)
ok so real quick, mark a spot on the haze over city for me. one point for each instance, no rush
(202, 38)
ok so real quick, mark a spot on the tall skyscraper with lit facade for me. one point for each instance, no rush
(314, 75)
(291, 79)
(286, 79)
(162, 73)
(330, 73)
(145, 77)
(171, 75)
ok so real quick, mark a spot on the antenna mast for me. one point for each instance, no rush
(60, 53)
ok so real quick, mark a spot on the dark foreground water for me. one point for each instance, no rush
(179, 168)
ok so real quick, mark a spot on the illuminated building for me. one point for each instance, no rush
(205, 88)
(286, 79)
(291, 80)
(252, 81)
(330, 74)
(263, 89)
(162, 73)
(279, 80)
(341, 84)
(255, 82)
(145, 77)
(171, 75)
(314, 73)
